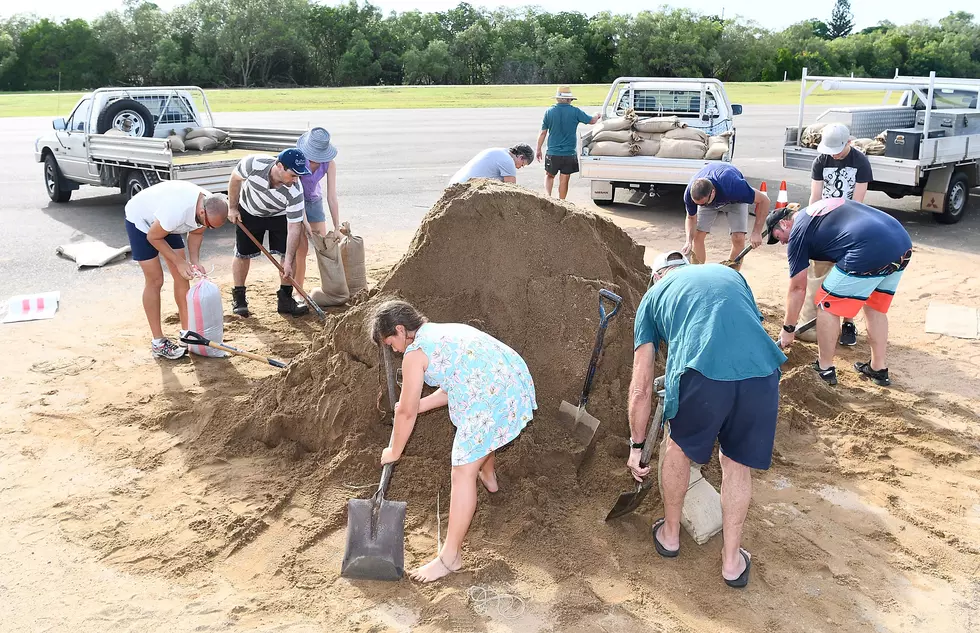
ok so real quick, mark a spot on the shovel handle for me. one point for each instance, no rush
(604, 318)
(386, 473)
(614, 298)
(653, 431)
(193, 338)
(390, 376)
(803, 328)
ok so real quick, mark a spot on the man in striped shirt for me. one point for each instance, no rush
(265, 195)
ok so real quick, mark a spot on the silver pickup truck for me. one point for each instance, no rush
(117, 137)
(939, 165)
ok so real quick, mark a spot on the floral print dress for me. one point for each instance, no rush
(491, 393)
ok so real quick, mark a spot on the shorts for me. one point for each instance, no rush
(843, 294)
(567, 165)
(738, 217)
(142, 249)
(275, 225)
(314, 211)
(740, 414)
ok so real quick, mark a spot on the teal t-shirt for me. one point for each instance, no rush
(708, 317)
(561, 120)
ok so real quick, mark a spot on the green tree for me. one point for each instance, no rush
(357, 65)
(841, 20)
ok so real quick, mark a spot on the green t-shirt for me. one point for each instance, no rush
(561, 120)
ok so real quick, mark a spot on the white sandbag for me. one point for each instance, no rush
(613, 125)
(201, 144)
(608, 148)
(658, 125)
(647, 147)
(352, 251)
(619, 136)
(679, 148)
(687, 134)
(333, 290)
(176, 142)
(205, 315)
(717, 147)
(211, 132)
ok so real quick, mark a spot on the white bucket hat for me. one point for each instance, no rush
(316, 146)
(565, 92)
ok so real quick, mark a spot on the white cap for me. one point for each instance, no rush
(664, 260)
(834, 139)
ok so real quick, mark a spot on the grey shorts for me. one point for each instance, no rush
(738, 217)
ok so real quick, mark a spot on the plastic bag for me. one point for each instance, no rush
(206, 316)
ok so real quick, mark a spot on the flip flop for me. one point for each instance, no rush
(743, 579)
(663, 551)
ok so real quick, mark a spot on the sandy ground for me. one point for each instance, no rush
(110, 521)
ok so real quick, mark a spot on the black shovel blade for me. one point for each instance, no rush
(628, 502)
(377, 554)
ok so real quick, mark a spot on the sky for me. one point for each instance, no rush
(769, 13)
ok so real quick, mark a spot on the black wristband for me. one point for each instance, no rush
(789, 328)
(637, 444)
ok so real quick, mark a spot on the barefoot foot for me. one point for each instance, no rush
(489, 480)
(436, 569)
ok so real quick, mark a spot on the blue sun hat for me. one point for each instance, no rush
(316, 145)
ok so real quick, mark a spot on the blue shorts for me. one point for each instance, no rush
(740, 414)
(142, 249)
(314, 211)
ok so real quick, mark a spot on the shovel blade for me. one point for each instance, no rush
(377, 554)
(628, 502)
(578, 422)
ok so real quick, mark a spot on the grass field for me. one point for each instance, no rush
(265, 99)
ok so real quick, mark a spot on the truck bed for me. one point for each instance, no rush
(898, 171)
(212, 156)
(641, 169)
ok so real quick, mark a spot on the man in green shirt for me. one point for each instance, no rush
(559, 126)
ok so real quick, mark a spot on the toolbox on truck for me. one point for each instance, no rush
(958, 122)
(905, 142)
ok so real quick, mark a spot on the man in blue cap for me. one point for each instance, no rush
(265, 195)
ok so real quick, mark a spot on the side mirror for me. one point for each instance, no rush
(59, 124)
(736, 109)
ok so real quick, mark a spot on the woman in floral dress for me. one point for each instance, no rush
(490, 395)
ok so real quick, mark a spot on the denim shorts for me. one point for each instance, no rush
(314, 211)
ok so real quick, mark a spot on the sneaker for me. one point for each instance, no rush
(166, 349)
(239, 305)
(848, 334)
(288, 305)
(829, 375)
(879, 376)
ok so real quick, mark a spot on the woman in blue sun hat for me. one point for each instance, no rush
(320, 154)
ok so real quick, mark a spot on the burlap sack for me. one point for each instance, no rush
(680, 148)
(200, 144)
(658, 125)
(813, 134)
(608, 148)
(648, 136)
(333, 290)
(687, 134)
(619, 136)
(352, 251)
(647, 147)
(212, 132)
(717, 147)
(176, 142)
(869, 146)
(612, 125)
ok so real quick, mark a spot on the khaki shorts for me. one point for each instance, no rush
(738, 217)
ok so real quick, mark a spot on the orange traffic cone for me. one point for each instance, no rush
(783, 199)
(762, 187)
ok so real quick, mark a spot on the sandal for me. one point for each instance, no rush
(663, 551)
(743, 579)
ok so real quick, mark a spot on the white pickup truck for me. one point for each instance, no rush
(135, 153)
(700, 103)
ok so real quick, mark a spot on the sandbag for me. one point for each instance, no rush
(813, 134)
(647, 147)
(206, 316)
(680, 148)
(687, 134)
(701, 514)
(648, 136)
(352, 251)
(619, 136)
(658, 125)
(869, 146)
(613, 125)
(176, 142)
(608, 148)
(200, 144)
(718, 146)
(211, 132)
(333, 290)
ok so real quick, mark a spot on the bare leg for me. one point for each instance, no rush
(563, 185)
(181, 286)
(676, 478)
(736, 492)
(738, 243)
(828, 329)
(153, 276)
(488, 475)
(239, 270)
(462, 506)
(698, 247)
(878, 337)
(549, 183)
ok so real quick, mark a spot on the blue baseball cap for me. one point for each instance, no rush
(295, 161)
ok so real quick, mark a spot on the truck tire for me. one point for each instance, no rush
(135, 182)
(957, 198)
(54, 181)
(117, 111)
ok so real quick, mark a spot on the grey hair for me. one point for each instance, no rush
(216, 205)
(701, 189)
(390, 314)
(524, 151)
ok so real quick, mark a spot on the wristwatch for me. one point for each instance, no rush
(789, 328)
(637, 444)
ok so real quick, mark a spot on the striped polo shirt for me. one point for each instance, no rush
(258, 198)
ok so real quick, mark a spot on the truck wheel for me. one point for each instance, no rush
(135, 183)
(957, 196)
(115, 113)
(52, 181)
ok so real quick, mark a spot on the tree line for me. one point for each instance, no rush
(229, 43)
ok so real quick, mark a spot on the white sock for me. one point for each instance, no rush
(159, 341)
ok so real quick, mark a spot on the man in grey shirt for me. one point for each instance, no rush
(495, 163)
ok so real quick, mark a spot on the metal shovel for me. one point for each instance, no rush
(630, 501)
(576, 419)
(376, 526)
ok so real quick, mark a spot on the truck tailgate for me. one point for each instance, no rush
(641, 169)
(896, 171)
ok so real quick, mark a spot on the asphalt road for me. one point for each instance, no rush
(393, 165)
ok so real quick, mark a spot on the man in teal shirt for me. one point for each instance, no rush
(559, 126)
(722, 383)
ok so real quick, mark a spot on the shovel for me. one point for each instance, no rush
(193, 338)
(577, 420)
(737, 262)
(630, 501)
(376, 526)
